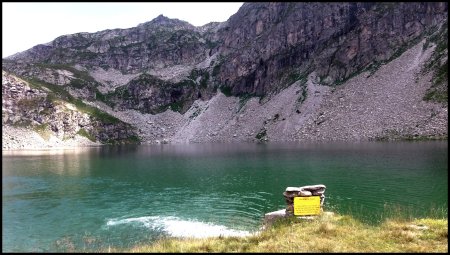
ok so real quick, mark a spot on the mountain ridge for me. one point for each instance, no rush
(258, 53)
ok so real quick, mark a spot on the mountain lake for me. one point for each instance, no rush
(89, 199)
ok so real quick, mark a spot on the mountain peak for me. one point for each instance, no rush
(162, 20)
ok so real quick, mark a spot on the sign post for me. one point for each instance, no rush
(300, 201)
(307, 206)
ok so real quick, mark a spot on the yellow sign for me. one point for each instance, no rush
(307, 205)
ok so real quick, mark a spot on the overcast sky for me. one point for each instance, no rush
(25, 25)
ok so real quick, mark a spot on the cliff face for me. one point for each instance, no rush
(284, 42)
(262, 52)
(35, 107)
(158, 43)
(149, 94)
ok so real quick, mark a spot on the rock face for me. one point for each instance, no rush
(286, 41)
(315, 71)
(149, 94)
(24, 106)
(158, 43)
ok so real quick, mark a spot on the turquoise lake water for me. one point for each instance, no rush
(121, 196)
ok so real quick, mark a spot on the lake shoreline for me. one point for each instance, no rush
(329, 232)
(122, 196)
(23, 139)
(20, 138)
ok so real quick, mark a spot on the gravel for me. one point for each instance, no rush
(14, 138)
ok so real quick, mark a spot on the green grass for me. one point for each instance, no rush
(296, 76)
(226, 91)
(304, 94)
(394, 135)
(216, 69)
(176, 106)
(204, 80)
(95, 112)
(327, 233)
(438, 66)
(261, 134)
(43, 130)
(86, 134)
(133, 139)
(77, 73)
(438, 91)
(78, 83)
(58, 92)
(82, 80)
(436, 96)
(243, 101)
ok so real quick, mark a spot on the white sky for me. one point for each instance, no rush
(25, 25)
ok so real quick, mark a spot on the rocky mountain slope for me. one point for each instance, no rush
(30, 107)
(272, 72)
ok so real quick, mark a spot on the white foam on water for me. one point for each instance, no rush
(181, 228)
(146, 221)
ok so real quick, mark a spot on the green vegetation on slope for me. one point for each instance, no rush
(86, 134)
(43, 130)
(438, 65)
(84, 75)
(82, 79)
(58, 92)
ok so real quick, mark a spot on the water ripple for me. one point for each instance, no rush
(177, 227)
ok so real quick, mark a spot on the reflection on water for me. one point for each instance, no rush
(42, 152)
(125, 195)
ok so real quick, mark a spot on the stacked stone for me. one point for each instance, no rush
(304, 191)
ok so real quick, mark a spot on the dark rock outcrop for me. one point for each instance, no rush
(158, 43)
(283, 42)
(149, 94)
(263, 47)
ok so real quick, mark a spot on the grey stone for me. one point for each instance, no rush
(269, 218)
(313, 187)
(290, 189)
(305, 193)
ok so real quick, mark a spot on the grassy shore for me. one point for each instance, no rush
(328, 232)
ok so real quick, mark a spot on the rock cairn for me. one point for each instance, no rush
(304, 191)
